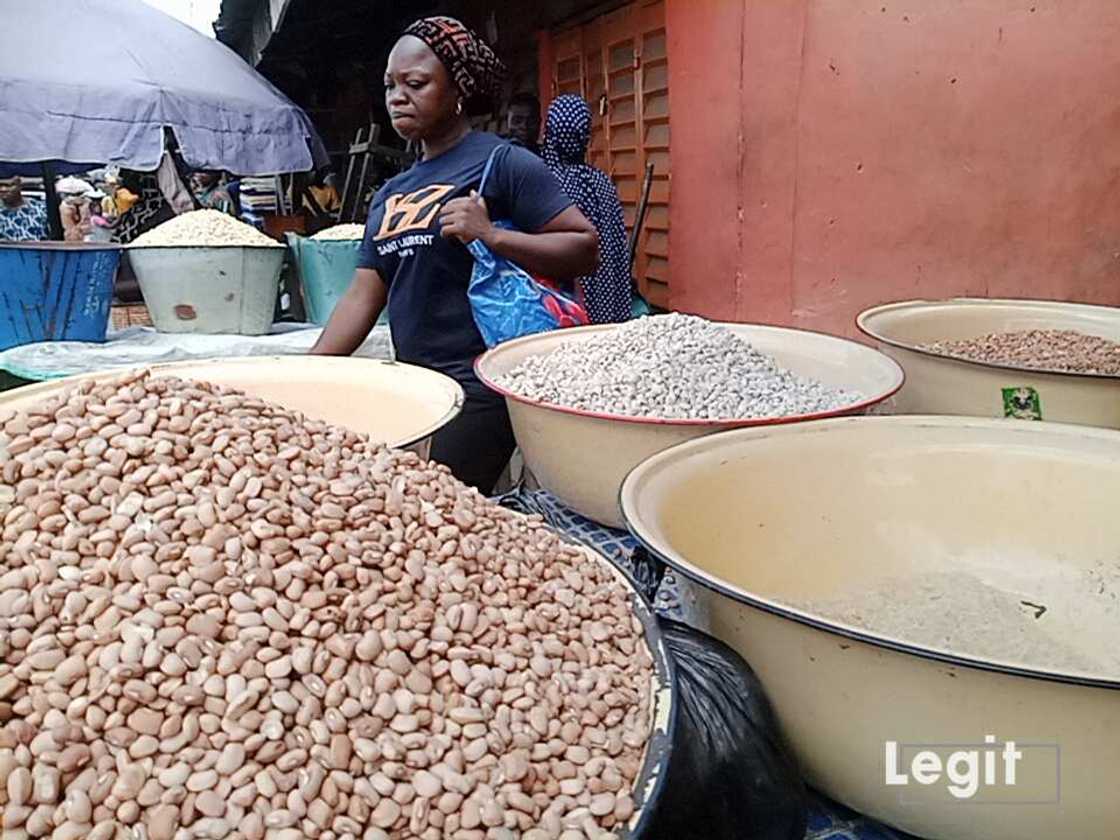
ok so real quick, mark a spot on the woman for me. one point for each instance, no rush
(210, 193)
(73, 208)
(322, 199)
(414, 256)
(607, 292)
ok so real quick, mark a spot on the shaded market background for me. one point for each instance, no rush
(824, 156)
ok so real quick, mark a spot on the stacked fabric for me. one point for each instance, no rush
(258, 195)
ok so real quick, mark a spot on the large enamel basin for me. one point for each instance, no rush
(582, 457)
(398, 404)
(770, 522)
(403, 406)
(937, 384)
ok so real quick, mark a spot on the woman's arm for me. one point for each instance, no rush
(565, 248)
(354, 315)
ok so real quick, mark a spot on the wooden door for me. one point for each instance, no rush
(619, 64)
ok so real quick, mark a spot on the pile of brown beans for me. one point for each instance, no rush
(219, 619)
(1066, 351)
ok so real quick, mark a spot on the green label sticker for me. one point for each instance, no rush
(1022, 403)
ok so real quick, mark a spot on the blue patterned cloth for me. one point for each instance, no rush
(26, 223)
(828, 820)
(616, 546)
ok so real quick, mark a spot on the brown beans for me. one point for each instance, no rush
(205, 636)
(1052, 350)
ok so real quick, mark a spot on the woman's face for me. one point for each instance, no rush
(419, 94)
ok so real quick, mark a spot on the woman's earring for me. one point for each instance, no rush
(459, 107)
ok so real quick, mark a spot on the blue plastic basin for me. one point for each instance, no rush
(55, 291)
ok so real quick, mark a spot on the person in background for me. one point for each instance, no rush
(607, 293)
(174, 184)
(73, 208)
(210, 193)
(146, 208)
(101, 227)
(414, 254)
(322, 197)
(158, 196)
(118, 199)
(22, 219)
(523, 121)
(77, 220)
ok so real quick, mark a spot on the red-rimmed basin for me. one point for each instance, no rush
(582, 457)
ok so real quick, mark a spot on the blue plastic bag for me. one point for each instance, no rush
(506, 301)
(639, 306)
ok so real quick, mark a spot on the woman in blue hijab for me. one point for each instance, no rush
(606, 294)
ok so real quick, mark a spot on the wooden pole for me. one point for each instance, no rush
(640, 216)
(54, 218)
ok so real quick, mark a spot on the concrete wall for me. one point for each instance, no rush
(834, 154)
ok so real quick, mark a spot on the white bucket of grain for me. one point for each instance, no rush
(224, 289)
(207, 272)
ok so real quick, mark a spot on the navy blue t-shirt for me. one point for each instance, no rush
(428, 275)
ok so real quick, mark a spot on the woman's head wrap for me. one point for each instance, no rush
(567, 130)
(474, 67)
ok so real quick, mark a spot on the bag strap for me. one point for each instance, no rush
(489, 166)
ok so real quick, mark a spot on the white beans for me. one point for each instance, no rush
(205, 637)
(204, 228)
(673, 367)
(341, 232)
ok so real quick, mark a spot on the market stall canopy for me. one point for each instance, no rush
(96, 82)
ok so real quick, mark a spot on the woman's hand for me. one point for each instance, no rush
(565, 248)
(466, 219)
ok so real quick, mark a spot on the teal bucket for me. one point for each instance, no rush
(325, 269)
(55, 291)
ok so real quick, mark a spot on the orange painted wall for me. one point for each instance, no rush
(828, 155)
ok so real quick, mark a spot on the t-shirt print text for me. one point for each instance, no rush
(412, 212)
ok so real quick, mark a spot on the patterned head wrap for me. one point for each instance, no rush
(474, 67)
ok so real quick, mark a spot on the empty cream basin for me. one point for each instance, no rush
(582, 457)
(799, 514)
(398, 404)
(937, 384)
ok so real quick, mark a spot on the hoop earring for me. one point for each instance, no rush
(459, 107)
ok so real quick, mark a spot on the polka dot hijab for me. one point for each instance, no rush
(607, 292)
